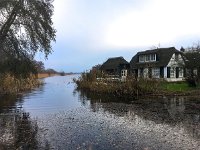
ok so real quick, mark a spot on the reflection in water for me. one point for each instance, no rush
(55, 116)
(175, 107)
(181, 112)
(17, 129)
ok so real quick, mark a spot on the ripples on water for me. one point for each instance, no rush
(56, 116)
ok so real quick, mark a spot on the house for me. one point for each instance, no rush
(116, 66)
(166, 63)
(192, 63)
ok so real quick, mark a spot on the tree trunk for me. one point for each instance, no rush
(11, 18)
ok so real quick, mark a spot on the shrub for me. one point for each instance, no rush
(192, 81)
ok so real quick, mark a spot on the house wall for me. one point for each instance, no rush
(165, 72)
(176, 62)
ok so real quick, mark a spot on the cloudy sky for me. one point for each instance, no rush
(91, 31)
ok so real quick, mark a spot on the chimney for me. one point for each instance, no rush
(182, 49)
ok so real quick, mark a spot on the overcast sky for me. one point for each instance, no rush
(91, 31)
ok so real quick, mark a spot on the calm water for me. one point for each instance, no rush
(57, 116)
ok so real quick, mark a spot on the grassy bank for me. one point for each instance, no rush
(178, 86)
(135, 88)
(14, 85)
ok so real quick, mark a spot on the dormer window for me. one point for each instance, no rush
(153, 57)
(141, 58)
(147, 58)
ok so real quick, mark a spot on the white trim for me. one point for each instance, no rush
(143, 58)
(180, 72)
(155, 72)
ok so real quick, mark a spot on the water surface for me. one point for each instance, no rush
(57, 116)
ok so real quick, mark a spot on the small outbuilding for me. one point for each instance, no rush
(116, 66)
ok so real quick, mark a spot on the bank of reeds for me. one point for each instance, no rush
(14, 85)
(45, 75)
(131, 87)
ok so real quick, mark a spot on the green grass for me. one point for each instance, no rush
(177, 86)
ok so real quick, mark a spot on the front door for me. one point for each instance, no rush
(123, 74)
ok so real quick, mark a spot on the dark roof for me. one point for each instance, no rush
(113, 63)
(163, 57)
(192, 59)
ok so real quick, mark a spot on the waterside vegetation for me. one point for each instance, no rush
(10, 84)
(134, 87)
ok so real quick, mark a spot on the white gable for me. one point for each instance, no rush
(176, 61)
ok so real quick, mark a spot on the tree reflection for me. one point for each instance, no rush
(17, 129)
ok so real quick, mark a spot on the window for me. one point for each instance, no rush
(155, 72)
(141, 71)
(172, 72)
(180, 72)
(176, 57)
(195, 71)
(147, 57)
(153, 57)
(124, 73)
(141, 58)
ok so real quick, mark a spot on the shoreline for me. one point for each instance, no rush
(134, 91)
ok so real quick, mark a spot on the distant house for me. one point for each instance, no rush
(116, 66)
(192, 63)
(166, 63)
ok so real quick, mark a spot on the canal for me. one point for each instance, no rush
(57, 116)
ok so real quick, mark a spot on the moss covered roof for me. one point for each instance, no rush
(113, 63)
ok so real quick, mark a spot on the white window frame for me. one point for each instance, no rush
(124, 73)
(153, 57)
(172, 72)
(141, 58)
(147, 58)
(180, 72)
(195, 71)
(156, 72)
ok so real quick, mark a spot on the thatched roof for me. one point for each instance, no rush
(113, 63)
(163, 57)
(192, 59)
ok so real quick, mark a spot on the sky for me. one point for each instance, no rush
(91, 31)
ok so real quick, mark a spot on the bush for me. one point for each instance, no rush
(192, 81)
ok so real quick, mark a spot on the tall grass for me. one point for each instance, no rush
(131, 87)
(12, 85)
